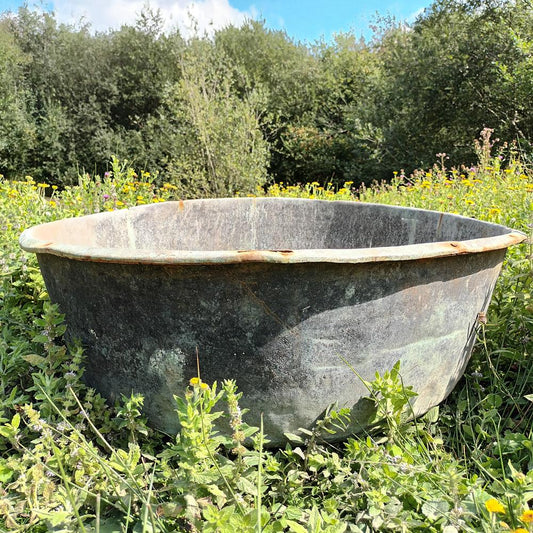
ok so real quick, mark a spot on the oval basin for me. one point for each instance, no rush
(279, 294)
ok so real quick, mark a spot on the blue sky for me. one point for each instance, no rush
(304, 20)
(312, 19)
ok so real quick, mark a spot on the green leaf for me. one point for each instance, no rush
(15, 422)
(109, 525)
(298, 451)
(294, 438)
(435, 509)
(432, 415)
(34, 359)
(295, 527)
(293, 513)
(172, 509)
(145, 526)
(5, 473)
(450, 529)
(42, 339)
(493, 400)
(7, 431)
(56, 517)
(246, 486)
(529, 397)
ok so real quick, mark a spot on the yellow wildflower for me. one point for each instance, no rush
(197, 382)
(43, 185)
(520, 530)
(494, 506)
(119, 203)
(527, 517)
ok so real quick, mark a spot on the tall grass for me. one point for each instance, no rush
(69, 462)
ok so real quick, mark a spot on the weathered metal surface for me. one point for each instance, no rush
(274, 293)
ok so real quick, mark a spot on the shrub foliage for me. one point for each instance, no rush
(249, 101)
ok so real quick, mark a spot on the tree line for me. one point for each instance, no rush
(221, 114)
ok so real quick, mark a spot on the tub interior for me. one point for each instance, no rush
(263, 224)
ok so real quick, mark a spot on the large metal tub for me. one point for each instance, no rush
(274, 293)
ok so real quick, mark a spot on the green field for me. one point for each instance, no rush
(71, 463)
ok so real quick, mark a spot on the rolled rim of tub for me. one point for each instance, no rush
(53, 237)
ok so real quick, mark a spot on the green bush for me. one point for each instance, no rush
(215, 114)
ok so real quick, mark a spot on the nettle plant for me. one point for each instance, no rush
(70, 462)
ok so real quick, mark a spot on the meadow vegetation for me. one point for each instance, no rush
(69, 462)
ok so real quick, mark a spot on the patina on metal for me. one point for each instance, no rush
(279, 294)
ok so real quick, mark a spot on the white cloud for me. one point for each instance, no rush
(206, 15)
(413, 16)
